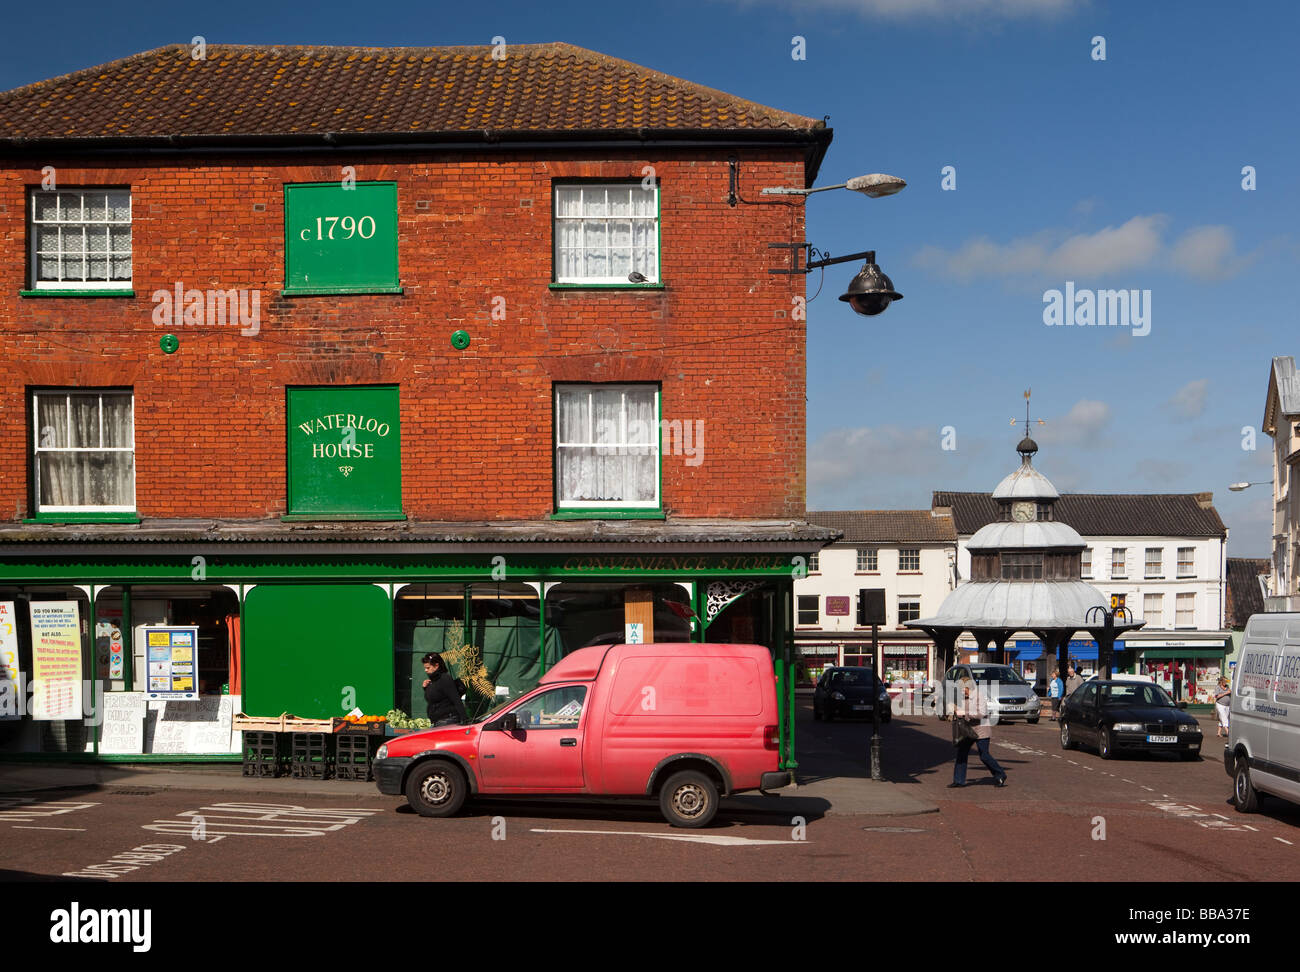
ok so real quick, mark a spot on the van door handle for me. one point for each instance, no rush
(568, 742)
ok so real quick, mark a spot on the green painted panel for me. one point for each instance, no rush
(312, 649)
(340, 240)
(345, 450)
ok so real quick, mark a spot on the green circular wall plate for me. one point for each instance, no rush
(169, 343)
(460, 340)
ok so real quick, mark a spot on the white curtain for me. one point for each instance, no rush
(92, 476)
(608, 442)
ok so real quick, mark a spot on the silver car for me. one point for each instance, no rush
(1010, 696)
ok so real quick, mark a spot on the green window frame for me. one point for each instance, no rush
(340, 240)
(607, 447)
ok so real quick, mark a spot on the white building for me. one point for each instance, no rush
(909, 554)
(1282, 423)
(1164, 555)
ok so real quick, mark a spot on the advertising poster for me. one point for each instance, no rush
(109, 653)
(10, 683)
(172, 656)
(56, 660)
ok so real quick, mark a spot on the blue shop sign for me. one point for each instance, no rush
(1029, 650)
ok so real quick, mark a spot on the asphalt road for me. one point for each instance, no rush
(1066, 816)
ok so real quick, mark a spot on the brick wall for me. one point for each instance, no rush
(476, 424)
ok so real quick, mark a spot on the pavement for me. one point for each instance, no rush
(830, 781)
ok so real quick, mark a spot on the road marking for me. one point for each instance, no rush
(1148, 789)
(1283, 840)
(21, 827)
(1134, 782)
(1221, 816)
(1249, 827)
(689, 838)
(27, 809)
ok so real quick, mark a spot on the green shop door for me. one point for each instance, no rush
(317, 650)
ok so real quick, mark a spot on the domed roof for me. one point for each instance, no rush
(1026, 483)
(1018, 605)
(1038, 535)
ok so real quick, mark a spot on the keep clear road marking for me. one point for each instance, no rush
(17, 827)
(689, 838)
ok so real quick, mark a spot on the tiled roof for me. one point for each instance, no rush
(1103, 514)
(887, 526)
(244, 90)
(1244, 596)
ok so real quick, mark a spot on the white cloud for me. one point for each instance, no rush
(1201, 252)
(1189, 401)
(1083, 425)
(889, 467)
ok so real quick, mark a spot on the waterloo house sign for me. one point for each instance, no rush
(345, 453)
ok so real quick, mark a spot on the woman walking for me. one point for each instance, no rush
(974, 727)
(1222, 700)
(445, 706)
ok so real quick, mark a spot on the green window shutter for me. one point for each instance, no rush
(345, 452)
(340, 240)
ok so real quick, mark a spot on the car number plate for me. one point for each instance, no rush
(1013, 708)
(1162, 739)
(861, 708)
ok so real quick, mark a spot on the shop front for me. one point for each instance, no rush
(1189, 670)
(119, 657)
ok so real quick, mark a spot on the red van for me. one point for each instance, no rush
(683, 723)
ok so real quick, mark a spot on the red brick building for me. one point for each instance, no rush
(340, 355)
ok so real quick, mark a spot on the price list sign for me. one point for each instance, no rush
(172, 657)
(56, 660)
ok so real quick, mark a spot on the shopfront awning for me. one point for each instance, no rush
(1191, 651)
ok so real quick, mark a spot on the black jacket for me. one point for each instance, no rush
(443, 698)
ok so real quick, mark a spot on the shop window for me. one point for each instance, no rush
(80, 239)
(83, 450)
(604, 234)
(344, 453)
(489, 636)
(49, 701)
(607, 448)
(341, 240)
(585, 614)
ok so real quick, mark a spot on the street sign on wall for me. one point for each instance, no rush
(340, 240)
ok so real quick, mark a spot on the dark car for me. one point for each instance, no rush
(845, 693)
(1116, 717)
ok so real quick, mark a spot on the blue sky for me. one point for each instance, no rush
(1122, 173)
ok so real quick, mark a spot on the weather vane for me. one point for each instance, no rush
(1028, 391)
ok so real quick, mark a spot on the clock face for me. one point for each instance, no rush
(1024, 512)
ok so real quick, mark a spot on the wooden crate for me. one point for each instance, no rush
(281, 723)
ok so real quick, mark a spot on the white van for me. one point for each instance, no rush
(1263, 751)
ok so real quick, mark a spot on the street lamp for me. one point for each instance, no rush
(871, 291)
(1238, 487)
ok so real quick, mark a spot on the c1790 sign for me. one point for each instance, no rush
(340, 240)
(345, 452)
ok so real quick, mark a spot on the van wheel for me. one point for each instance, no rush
(689, 799)
(1244, 795)
(436, 789)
